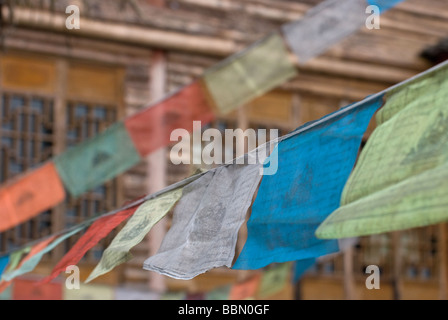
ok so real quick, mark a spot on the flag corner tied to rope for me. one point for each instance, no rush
(313, 166)
(401, 178)
(206, 222)
(29, 195)
(145, 217)
(96, 160)
(249, 74)
(150, 129)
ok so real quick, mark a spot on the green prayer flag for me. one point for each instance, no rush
(145, 217)
(249, 74)
(274, 280)
(14, 260)
(221, 293)
(97, 160)
(400, 180)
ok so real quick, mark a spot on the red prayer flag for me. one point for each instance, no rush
(151, 128)
(97, 231)
(25, 289)
(246, 289)
(30, 195)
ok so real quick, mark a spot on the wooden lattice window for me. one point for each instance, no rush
(26, 140)
(48, 105)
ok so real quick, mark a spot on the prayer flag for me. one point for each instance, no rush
(249, 74)
(313, 167)
(90, 292)
(146, 216)
(30, 195)
(26, 289)
(95, 161)
(97, 231)
(246, 289)
(323, 26)
(274, 280)
(32, 261)
(150, 129)
(401, 178)
(206, 221)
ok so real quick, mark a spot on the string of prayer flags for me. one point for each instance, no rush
(97, 231)
(323, 26)
(400, 180)
(8, 276)
(29, 195)
(26, 289)
(138, 226)
(384, 5)
(206, 221)
(32, 261)
(151, 128)
(249, 74)
(313, 167)
(246, 289)
(15, 258)
(95, 161)
(274, 280)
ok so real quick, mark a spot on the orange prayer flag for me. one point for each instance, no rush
(30, 195)
(97, 231)
(151, 128)
(246, 289)
(25, 289)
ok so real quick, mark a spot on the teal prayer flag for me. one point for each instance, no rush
(95, 161)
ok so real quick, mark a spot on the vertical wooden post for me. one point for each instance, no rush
(442, 254)
(60, 125)
(156, 166)
(296, 119)
(349, 279)
(397, 282)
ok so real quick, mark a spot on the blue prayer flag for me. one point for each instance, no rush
(3, 263)
(301, 266)
(313, 167)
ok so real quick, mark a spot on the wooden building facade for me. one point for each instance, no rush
(60, 86)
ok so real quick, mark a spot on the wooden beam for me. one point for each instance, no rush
(125, 33)
(360, 70)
